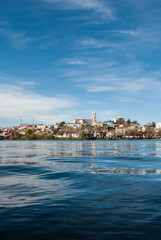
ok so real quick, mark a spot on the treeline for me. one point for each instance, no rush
(31, 135)
(44, 137)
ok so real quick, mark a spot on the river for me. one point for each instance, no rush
(80, 190)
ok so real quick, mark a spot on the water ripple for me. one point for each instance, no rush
(71, 190)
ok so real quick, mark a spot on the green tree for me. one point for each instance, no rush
(128, 121)
(28, 133)
(134, 122)
(16, 134)
(82, 135)
(120, 121)
(61, 124)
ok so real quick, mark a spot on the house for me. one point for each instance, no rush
(67, 135)
(8, 133)
(110, 135)
(158, 125)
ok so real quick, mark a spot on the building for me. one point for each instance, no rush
(94, 117)
(73, 125)
(86, 122)
(83, 121)
(118, 120)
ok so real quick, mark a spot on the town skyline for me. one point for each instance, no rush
(64, 59)
(76, 120)
(84, 129)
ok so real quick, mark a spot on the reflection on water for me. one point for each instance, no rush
(48, 190)
(128, 171)
(28, 149)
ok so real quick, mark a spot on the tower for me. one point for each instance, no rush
(94, 117)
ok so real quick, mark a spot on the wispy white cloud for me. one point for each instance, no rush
(47, 41)
(18, 81)
(98, 6)
(125, 99)
(73, 61)
(126, 32)
(92, 43)
(126, 85)
(27, 83)
(18, 39)
(146, 84)
(95, 43)
(16, 102)
(84, 63)
(99, 76)
(100, 88)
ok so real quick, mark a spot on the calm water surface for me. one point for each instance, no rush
(80, 190)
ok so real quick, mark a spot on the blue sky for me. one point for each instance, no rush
(64, 59)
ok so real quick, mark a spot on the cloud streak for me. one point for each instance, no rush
(103, 75)
(127, 86)
(126, 32)
(18, 39)
(95, 43)
(73, 61)
(94, 5)
(100, 88)
(16, 102)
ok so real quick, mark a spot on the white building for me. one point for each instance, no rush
(158, 125)
(73, 125)
(118, 119)
(94, 117)
(110, 124)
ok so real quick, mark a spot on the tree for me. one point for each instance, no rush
(120, 121)
(28, 133)
(128, 121)
(61, 124)
(82, 135)
(134, 122)
(149, 133)
(134, 133)
(16, 134)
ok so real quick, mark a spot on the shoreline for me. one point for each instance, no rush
(64, 139)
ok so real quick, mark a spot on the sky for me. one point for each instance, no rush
(64, 59)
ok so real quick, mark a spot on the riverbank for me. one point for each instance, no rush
(80, 139)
